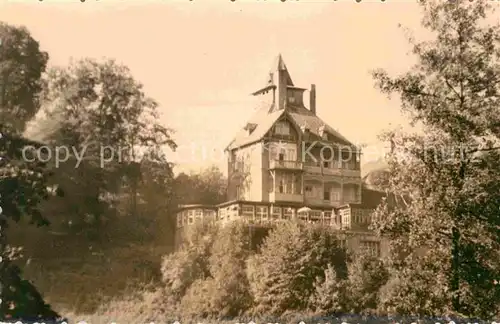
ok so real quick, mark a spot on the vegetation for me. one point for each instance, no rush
(446, 241)
(97, 223)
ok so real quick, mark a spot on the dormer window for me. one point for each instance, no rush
(294, 95)
(322, 132)
(282, 128)
(304, 129)
(250, 127)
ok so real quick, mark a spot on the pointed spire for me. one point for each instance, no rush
(280, 66)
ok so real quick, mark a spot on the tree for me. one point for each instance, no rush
(367, 275)
(181, 269)
(207, 187)
(23, 185)
(101, 115)
(22, 64)
(451, 172)
(330, 293)
(229, 254)
(283, 275)
(156, 197)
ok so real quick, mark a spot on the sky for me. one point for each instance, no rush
(201, 60)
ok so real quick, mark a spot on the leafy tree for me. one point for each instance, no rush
(99, 110)
(367, 275)
(207, 187)
(451, 172)
(23, 185)
(330, 293)
(156, 197)
(21, 65)
(283, 275)
(187, 265)
(228, 258)
(417, 288)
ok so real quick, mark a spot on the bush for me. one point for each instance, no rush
(283, 275)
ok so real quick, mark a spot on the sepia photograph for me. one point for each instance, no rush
(250, 161)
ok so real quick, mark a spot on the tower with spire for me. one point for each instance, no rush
(287, 164)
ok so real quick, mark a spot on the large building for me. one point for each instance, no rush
(288, 164)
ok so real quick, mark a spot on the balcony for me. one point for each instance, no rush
(277, 197)
(321, 202)
(285, 165)
(317, 168)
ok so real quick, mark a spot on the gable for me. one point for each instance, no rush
(284, 128)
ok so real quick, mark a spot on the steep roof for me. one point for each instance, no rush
(263, 121)
(266, 117)
(279, 65)
(304, 117)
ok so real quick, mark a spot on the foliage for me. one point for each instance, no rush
(182, 268)
(418, 288)
(207, 187)
(367, 275)
(283, 274)
(330, 293)
(22, 64)
(104, 116)
(228, 258)
(23, 185)
(451, 173)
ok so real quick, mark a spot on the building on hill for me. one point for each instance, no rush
(288, 164)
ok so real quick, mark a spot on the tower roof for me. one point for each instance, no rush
(275, 77)
(266, 116)
(279, 65)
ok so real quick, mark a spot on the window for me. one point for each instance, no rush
(179, 220)
(372, 247)
(190, 217)
(309, 191)
(233, 211)
(335, 195)
(261, 212)
(276, 212)
(303, 216)
(368, 216)
(247, 210)
(327, 217)
(288, 213)
(326, 164)
(281, 156)
(239, 164)
(281, 186)
(287, 183)
(315, 215)
(198, 213)
(222, 213)
(345, 220)
(238, 191)
(291, 99)
(282, 128)
(326, 195)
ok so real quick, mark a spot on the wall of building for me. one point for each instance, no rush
(245, 173)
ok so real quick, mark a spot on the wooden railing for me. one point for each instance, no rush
(281, 164)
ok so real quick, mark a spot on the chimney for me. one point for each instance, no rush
(312, 99)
